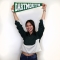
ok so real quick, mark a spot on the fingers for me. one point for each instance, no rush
(44, 6)
(12, 8)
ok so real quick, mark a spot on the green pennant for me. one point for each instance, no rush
(21, 6)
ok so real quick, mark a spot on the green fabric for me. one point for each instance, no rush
(30, 39)
(22, 6)
(40, 4)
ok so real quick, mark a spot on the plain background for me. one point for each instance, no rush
(10, 39)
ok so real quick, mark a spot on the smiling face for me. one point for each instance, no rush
(29, 27)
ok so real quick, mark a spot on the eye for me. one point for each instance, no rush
(26, 26)
(30, 25)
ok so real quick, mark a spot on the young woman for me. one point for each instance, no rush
(29, 47)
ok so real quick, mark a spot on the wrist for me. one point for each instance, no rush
(44, 10)
(13, 11)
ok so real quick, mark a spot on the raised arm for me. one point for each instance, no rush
(14, 14)
(41, 25)
(44, 11)
(19, 26)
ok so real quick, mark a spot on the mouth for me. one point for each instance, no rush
(29, 29)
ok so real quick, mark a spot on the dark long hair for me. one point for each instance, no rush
(33, 24)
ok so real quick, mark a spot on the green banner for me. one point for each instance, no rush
(21, 6)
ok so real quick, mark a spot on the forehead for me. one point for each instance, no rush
(28, 23)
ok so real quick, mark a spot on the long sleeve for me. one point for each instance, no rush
(40, 29)
(20, 29)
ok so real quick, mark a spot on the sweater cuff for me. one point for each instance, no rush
(43, 21)
(17, 22)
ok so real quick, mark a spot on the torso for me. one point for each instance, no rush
(29, 40)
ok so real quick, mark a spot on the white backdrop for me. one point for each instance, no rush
(10, 40)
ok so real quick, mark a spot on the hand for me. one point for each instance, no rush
(12, 8)
(14, 14)
(44, 7)
(44, 11)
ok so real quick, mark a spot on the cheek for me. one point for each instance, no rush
(32, 27)
(27, 28)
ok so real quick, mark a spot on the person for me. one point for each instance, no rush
(30, 38)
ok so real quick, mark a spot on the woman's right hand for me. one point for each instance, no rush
(14, 14)
(12, 8)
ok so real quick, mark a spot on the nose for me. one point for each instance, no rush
(29, 27)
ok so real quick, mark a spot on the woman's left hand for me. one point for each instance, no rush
(44, 11)
(44, 7)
